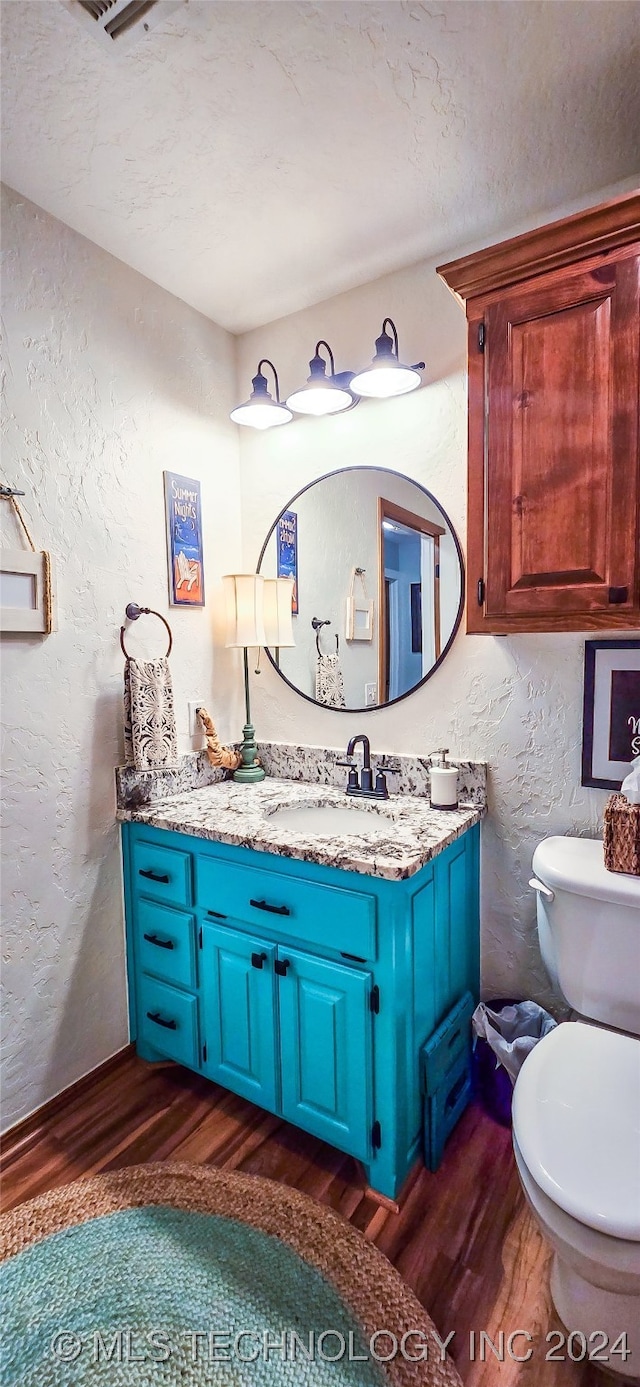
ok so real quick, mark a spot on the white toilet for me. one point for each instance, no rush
(576, 1103)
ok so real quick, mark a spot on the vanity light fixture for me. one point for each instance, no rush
(386, 376)
(323, 394)
(261, 411)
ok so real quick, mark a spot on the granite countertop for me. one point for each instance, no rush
(241, 815)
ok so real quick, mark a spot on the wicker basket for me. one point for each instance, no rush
(622, 836)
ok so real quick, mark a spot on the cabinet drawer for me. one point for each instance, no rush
(325, 915)
(169, 1022)
(166, 943)
(162, 873)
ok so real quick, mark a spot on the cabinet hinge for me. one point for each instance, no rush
(376, 1136)
(480, 591)
(204, 1054)
(200, 936)
(481, 337)
(374, 999)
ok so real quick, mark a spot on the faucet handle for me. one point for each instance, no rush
(352, 778)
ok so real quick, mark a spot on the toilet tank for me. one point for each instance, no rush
(589, 931)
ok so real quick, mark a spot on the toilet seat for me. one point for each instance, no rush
(576, 1121)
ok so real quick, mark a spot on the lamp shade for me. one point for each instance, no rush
(244, 604)
(322, 394)
(261, 411)
(387, 376)
(278, 626)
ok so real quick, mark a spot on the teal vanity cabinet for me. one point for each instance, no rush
(307, 989)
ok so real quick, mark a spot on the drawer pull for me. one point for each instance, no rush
(155, 876)
(455, 1093)
(272, 909)
(157, 1020)
(281, 965)
(257, 960)
(161, 943)
(215, 915)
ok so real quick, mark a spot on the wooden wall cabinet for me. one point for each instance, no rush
(553, 538)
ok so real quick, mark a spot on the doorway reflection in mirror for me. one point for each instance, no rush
(375, 522)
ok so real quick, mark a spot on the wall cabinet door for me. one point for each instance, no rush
(325, 1044)
(553, 534)
(561, 436)
(238, 1022)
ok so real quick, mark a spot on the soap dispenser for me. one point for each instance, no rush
(443, 779)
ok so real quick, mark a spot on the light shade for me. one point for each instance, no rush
(322, 394)
(278, 626)
(261, 411)
(386, 376)
(244, 605)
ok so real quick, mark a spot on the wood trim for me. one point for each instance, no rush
(437, 640)
(388, 510)
(595, 231)
(29, 1127)
(476, 557)
(382, 611)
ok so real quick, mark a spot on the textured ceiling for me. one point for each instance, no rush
(254, 158)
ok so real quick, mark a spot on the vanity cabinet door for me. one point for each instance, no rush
(325, 1049)
(238, 1013)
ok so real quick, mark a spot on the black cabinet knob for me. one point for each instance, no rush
(281, 965)
(257, 960)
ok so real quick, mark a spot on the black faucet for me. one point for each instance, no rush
(364, 786)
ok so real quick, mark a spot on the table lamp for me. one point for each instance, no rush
(256, 614)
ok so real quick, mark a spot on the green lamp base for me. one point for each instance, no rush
(249, 773)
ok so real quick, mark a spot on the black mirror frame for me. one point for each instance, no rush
(376, 707)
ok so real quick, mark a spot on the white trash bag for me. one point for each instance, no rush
(512, 1032)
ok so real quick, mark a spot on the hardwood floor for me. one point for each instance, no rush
(463, 1238)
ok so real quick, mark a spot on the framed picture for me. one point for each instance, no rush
(287, 549)
(184, 540)
(611, 715)
(25, 592)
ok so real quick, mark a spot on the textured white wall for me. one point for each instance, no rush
(108, 381)
(515, 702)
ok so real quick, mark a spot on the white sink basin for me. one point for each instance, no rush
(332, 821)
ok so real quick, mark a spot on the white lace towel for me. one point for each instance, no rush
(150, 739)
(329, 685)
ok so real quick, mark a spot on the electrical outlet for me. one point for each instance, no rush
(195, 726)
(370, 695)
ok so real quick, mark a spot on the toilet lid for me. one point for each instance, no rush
(576, 1119)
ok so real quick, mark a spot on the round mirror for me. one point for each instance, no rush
(378, 587)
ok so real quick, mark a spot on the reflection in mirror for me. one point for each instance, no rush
(379, 586)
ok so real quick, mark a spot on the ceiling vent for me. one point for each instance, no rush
(121, 22)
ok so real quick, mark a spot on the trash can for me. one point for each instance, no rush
(505, 1032)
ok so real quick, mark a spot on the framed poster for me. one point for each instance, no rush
(26, 603)
(611, 714)
(184, 540)
(287, 549)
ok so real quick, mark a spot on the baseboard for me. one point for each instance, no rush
(29, 1126)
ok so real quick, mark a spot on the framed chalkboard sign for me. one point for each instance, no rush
(611, 712)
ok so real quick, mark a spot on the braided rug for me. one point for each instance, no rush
(181, 1274)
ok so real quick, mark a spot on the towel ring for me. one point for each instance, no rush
(317, 625)
(132, 612)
